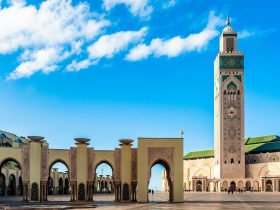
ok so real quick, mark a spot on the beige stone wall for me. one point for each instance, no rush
(259, 168)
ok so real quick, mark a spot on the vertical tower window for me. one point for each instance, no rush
(230, 44)
(232, 161)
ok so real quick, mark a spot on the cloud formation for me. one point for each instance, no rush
(177, 45)
(107, 46)
(136, 7)
(46, 35)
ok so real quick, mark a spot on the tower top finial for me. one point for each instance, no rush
(228, 20)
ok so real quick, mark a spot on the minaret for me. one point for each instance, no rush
(229, 107)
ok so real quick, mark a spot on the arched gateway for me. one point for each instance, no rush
(130, 167)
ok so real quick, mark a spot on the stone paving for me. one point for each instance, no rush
(194, 201)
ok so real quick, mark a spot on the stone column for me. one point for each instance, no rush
(35, 167)
(126, 169)
(25, 191)
(82, 167)
(43, 191)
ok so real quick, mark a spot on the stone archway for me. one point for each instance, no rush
(248, 186)
(225, 186)
(56, 180)
(256, 186)
(232, 186)
(104, 183)
(8, 185)
(198, 186)
(170, 151)
(268, 186)
(240, 185)
(167, 168)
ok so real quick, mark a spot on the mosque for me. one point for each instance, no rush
(236, 163)
(251, 164)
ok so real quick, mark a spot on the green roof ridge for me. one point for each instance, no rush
(199, 154)
(262, 139)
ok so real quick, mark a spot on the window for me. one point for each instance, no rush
(232, 161)
(230, 44)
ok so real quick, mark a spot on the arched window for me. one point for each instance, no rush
(232, 161)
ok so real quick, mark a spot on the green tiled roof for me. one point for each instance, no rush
(263, 147)
(13, 137)
(252, 145)
(199, 154)
(262, 139)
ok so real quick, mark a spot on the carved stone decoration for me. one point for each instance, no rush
(161, 153)
(134, 164)
(26, 163)
(90, 156)
(73, 162)
(81, 192)
(125, 192)
(44, 163)
(34, 192)
(232, 132)
(232, 149)
(117, 174)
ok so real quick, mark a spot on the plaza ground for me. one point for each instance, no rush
(193, 200)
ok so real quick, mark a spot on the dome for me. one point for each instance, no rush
(228, 30)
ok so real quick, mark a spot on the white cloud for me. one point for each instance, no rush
(107, 46)
(169, 4)
(57, 28)
(245, 34)
(177, 45)
(136, 7)
(79, 65)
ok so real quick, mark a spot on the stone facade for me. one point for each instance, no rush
(34, 161)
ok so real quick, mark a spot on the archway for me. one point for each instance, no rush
(268, 186)
(58, 181)
(256, 186)
(232, 186)
(10, 179)
(248, 186)
(155, 191)
(225, 186)
(12, 185)
(198, 186)
(103, 176)
(240, 185)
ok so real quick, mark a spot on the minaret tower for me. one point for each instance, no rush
(229, 107)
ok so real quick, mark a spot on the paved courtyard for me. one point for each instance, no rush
(194, 201)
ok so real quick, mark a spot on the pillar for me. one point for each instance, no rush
(82, 168)
(35, 167)
(126, 169)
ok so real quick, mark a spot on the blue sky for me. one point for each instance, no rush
(111, 69)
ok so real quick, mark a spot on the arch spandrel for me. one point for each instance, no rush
(105, 156)
(11, 153)
(157, 154)
(56, 155)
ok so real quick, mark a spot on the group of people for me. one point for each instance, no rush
(152, 191)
